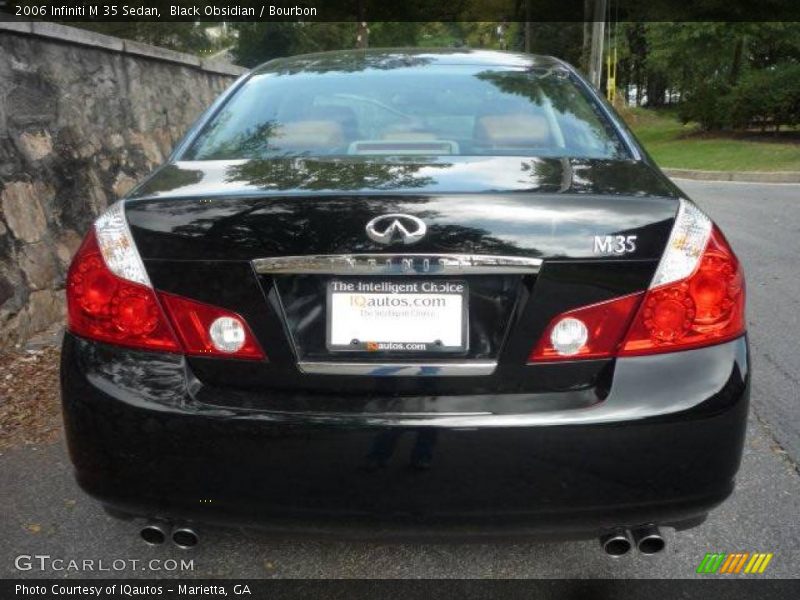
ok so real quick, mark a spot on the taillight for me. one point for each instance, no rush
(105, 307)
(697, 298)
(207, 330)
(110, 299)
(705, 308)
(602, 325)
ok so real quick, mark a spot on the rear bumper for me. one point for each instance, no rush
(663, 447)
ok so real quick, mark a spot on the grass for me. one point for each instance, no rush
(678, 146)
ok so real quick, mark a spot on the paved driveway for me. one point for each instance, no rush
(44, 512)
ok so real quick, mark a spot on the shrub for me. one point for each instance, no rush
(708, 104)
(769, 96)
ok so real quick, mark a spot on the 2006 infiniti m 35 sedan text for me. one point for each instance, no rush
(408, 292)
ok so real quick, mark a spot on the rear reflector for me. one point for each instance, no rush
(696, 298)
(207, 330)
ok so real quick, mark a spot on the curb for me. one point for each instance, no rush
(740, 176)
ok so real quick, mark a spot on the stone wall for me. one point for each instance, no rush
(82, 118)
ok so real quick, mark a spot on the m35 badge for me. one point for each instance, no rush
(614, 244)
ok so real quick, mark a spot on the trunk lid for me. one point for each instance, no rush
(201, 229)
(546, 208)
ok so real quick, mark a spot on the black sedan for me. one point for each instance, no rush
(408, 292)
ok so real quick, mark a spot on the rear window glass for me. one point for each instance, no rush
(435, 111)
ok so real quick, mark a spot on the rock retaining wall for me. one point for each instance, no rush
(82, 117)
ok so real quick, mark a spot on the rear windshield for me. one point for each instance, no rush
(436, 111)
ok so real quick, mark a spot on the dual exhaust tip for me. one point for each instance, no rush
(647, 539)
(156, 532)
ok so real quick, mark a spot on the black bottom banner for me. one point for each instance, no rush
(662, 589)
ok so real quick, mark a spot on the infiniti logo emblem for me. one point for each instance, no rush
(396, 227)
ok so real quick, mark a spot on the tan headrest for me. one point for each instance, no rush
(512, 130)
(309, 134)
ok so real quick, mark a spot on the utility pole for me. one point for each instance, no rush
(598, 33)
(362, 31)
(362, 35)
(528, 32)
(587, 36)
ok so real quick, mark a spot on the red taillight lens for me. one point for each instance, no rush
(105, 307)
(708, 307)
(207, 330)
(605, 322)
(705, 308)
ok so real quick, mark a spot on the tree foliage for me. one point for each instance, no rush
(262, 41)
(766, 97)
(724, 75)
(727, 75)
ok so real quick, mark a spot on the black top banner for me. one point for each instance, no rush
(406, 10)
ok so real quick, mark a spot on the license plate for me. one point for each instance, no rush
(397, 316)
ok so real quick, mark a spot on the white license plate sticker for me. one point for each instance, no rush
(397, 316)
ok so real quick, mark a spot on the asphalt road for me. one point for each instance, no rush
(43, 512)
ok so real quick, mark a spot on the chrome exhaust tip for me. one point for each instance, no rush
(648, 539)
(184, 537)
(616, 543)
(154, 532)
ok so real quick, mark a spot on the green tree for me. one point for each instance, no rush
(556, 39)
(707, 62)
(394, 34)
(767, 97)
(262, 41)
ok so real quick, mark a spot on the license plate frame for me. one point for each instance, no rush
(381, 288)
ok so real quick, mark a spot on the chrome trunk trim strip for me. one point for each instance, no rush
(398, 264)
(399, 369)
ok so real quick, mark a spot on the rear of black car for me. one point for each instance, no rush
(486, 336)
